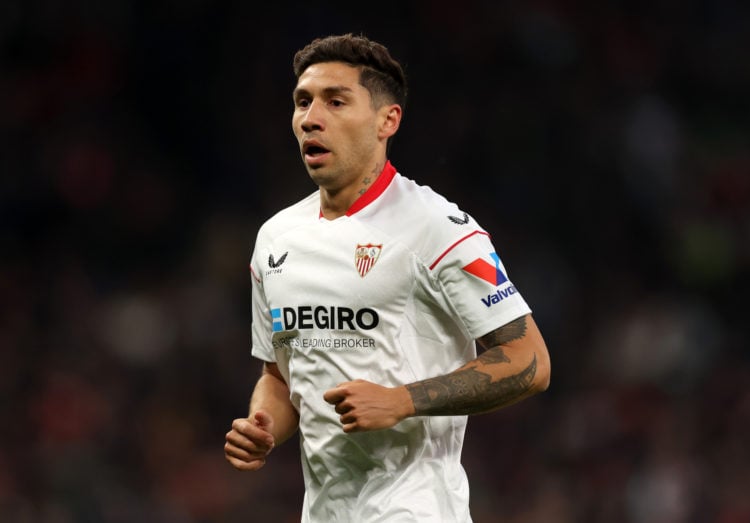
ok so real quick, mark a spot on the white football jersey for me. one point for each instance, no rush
(395, 291)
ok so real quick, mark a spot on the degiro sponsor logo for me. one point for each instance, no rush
(320, 317)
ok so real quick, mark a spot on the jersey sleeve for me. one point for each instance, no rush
(474, 281)
(262, 328)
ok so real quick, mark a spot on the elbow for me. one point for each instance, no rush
(543, 372)
(538, 347)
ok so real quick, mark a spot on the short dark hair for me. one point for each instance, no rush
(380, 73)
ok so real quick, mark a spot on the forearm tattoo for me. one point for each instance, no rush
(471, 390)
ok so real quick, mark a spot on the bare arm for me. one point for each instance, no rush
(271, 395)
(514, 366)
(271, 421)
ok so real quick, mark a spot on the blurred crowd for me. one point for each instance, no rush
(606, 147)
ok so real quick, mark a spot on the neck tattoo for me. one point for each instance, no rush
(368, 180)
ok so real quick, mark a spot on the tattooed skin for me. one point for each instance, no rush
(471, 391)
(367, 180)
(514, 330)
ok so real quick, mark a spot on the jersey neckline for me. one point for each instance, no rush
(371, 194)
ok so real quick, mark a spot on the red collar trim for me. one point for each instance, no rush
(377, 188)
(383, 181)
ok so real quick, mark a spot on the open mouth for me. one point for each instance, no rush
(315, 150)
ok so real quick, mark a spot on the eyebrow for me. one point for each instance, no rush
(328, 91)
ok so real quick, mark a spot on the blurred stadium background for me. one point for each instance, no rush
(604, 144)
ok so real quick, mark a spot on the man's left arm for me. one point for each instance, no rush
(514, 365)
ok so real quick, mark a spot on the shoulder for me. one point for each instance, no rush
(426, 219)
(285, 221)
(291, 217)
(406, 199)
(427, 202)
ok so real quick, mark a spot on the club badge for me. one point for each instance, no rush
(365, 257)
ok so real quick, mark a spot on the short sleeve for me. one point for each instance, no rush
(262, 327)
(476, 283)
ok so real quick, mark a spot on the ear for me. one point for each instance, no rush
(390, 120)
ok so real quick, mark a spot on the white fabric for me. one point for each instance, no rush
(429, 310)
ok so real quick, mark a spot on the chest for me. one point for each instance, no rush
(337, 266)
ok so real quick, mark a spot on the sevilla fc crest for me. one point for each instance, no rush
(365, 257)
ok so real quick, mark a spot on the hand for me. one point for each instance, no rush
(367, 406)
(250, 441)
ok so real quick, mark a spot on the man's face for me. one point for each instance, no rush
(335, 124)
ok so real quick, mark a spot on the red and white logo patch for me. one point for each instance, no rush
(365, 257)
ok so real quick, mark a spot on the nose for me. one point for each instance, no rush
(312, 119)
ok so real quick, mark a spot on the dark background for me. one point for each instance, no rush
(603, 144)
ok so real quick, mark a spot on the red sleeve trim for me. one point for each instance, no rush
(449, 249)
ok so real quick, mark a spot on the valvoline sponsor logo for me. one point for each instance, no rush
(492, 274)
(499, 296)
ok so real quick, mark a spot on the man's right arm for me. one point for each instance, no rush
(271, 395)
(271, 421)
